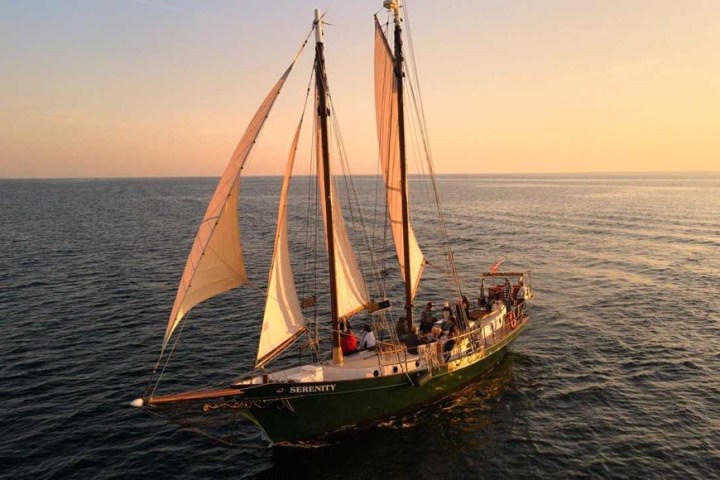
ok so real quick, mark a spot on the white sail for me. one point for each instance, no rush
(352, 293)
(388, 139)
(283, 320)
(215, 263)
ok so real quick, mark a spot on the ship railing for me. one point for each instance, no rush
(465, 345)
(471, 342)
(517, 312)
(391, 353)
(431, 355)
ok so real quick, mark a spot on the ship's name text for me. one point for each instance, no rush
(313, 388)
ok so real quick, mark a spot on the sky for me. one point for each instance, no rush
(160, 88)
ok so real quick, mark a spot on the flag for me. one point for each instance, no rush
(496, 265)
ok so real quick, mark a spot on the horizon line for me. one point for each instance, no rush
(487, 174)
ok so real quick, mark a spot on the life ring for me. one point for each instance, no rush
(511, 319)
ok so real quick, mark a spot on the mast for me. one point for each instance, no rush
(321, 87)
(395, 7)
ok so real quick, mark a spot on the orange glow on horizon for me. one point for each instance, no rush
(161, 89)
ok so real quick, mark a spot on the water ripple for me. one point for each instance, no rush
(616, 377)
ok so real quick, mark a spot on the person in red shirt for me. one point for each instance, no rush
(348, 341)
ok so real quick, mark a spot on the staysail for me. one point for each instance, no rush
(352, 293)
(215, 263)
(283, 320)
(386, 114)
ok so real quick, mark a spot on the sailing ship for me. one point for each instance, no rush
(330, 390)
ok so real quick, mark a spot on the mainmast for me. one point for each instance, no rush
(399, 75)
(321, 88)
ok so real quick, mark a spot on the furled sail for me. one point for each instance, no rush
(215, 263)
(283, 320)
(352, 295)
(388, 139)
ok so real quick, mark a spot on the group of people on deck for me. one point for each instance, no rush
(431, 330)
(512, 296)
(443, 330)
(446, 329)
(349, 342)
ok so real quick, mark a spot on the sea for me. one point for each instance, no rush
(616, 376)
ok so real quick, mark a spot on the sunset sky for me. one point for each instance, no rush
(134, 88)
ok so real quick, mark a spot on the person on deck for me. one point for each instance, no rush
(401, 328)
(348, 342)
(367, 341)
(463, 313)
(448, 319)
(434, 333)
(484, 302)
(507, 295)
(520, 295)
(412, 340)
(427, 318)
(466, 306)
(448, 343)
(446, 312)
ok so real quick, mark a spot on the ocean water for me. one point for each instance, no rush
(618, 375)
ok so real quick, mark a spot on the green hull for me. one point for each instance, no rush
(285, 414)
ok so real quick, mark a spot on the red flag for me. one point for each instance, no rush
(496, 265)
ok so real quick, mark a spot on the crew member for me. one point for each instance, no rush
(367, 340)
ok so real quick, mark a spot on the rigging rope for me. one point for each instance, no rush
(420, 112)
(303, 281)
(417, 134)
(359, 226)
(356, 216)
(379, 183)
(220, 440)
(167, 360)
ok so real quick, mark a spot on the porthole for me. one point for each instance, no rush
(376, 373)
(395, 369)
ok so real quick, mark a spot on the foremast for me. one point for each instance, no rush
(321, 88)
(399, 76)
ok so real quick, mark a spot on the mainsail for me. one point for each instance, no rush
(387, 127)
(352, 293)
(283, 320)
(215, 263)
